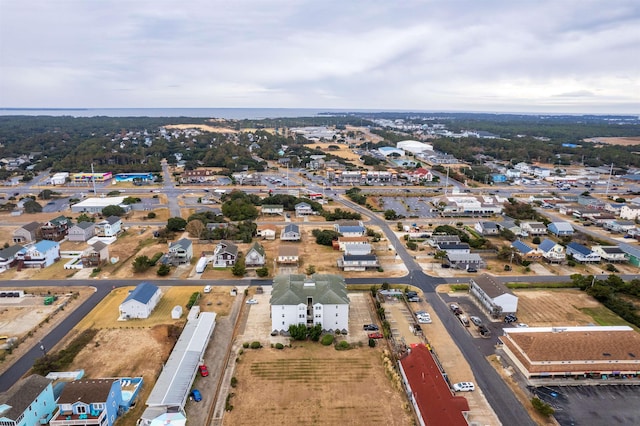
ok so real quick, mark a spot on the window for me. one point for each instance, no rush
(81, 409)
(282, 315)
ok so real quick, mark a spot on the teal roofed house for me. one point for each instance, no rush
(28, 402)
(309, 300)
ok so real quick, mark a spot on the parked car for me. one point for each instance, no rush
(464, 320)
(484, 331)
(376, 335)
(472, 269)
(204, 371)
(455, 309)
(195, 394)
(414, 299)
(252, 302)
(510, 318)
(425, 319)
(522, 325)
(445, 265)
(370, 327)
(477, 321)
(464, 387)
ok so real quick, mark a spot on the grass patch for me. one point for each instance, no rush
(603, 316)
(541, 285)
(459, 287)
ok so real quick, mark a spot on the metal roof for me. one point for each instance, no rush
(521, 247)
(579, 248)
(142, 293)
(174, 384)
(296, 288)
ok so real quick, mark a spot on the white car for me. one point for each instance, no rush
(464, 387)
(424, 320)
(252, 302)
(522, 325)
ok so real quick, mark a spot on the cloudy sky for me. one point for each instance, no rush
(475, 55)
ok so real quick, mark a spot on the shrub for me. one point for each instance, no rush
(372, 343)
(343, 345)
(193, 299)
(245, 345)
(234, 382)
(262, 272)
(327, 339)
(151, 215)
(256, 345)
(279, 346)
(542, 407)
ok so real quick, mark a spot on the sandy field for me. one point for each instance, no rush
(203, 127)
(624, 141)
(314, 384)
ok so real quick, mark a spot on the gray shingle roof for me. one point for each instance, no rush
(22, 394)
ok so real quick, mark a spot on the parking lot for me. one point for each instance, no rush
(593, 405)
(409, 206)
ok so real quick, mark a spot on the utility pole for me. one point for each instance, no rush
(606, 192)
(93, 179)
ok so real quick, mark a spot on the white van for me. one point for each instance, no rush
(207, 289)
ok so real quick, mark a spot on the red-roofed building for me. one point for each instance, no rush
(419, 175)
(428, 391)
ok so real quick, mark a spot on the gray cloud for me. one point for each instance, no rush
(556, 56)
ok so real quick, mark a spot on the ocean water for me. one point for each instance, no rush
(227, 113)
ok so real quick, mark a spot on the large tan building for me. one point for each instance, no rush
(563, 352)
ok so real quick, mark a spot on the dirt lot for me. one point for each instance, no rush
(616, 141)
(314, 384)
(546, 308)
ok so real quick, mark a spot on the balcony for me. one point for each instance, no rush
(64, 418)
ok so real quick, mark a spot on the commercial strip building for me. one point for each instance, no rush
(598, 352)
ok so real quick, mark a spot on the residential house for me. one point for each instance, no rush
(110, 227)
(225, 254)
(632, 253)
(288, 254)
(38, 255)
(81, 231)
(461, 260)
(256, 256)
(552, 252)
(611, 254)
(95, 255)
(318, 299)
(429, 392)
(527, 252)
(30, 401)
(535, 229)
(493, 295)
(180, 252)
(357, 248)
(8, 256)
(510, 225)
(55, 229)
(619, 226)
(141, 301)
(291, 232)
(89, 402)
(358, 262)
(27, 233)
(487, 229)
(582, 254)
(454, 247)
(341, 242)
(272, 209)
(436, 240)
(351, 231)
(303, 209)
(630, 212)
(267, 232)
(560, 229)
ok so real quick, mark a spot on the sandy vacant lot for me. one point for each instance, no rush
(546, 308)
(616, 141)
(314, 384)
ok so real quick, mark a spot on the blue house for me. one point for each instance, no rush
(560, 229)
(94, 401)
(28, 402)
(582, 253)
